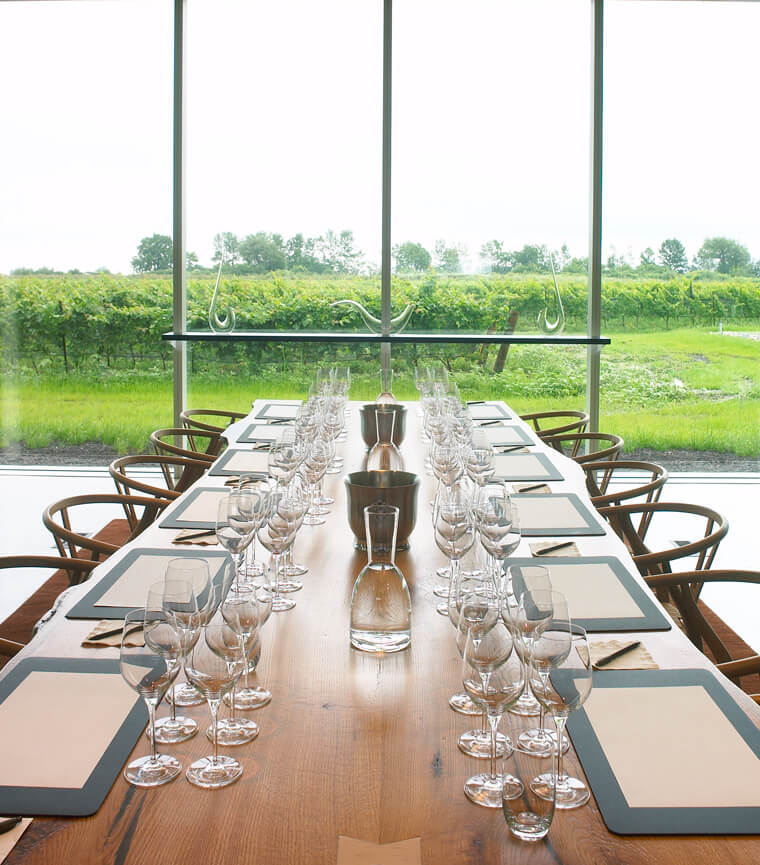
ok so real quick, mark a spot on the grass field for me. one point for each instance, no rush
(668, 390)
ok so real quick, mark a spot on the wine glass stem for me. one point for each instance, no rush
(173, 705)
(493, 721)
(214, 707)
(276, 563)
(151, 704)
(559, 723)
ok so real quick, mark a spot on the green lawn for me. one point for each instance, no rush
(677, 389)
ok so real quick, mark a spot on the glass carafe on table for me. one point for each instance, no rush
(384, 456)
(386, 395)
(381, 609)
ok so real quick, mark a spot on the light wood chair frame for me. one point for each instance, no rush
(189, 418)
(188, 471)
(196, 440)
(600, 473)
(538, 418)
(572, 445)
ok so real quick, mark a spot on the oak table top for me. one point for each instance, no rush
(351, 745)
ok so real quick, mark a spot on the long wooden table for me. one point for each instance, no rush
(351, 745)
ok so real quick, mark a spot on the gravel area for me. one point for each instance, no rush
(96, 454)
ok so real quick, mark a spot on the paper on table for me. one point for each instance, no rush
(520, 465)
(549, 512)
(203, 508)
(570, 550)
(263, 432)
(635, 659)
(352, 851)
(276, 409)
(114, 641)
(593, 590)
(242, 461)
(194, 536)
(131, 587)
(676, 763)
(89, 709)
(8, 840)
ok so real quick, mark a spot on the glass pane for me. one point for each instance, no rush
(490, 177)
(680, 232)
(284, 162)
(86, 174)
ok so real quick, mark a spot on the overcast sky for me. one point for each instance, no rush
(490, 127)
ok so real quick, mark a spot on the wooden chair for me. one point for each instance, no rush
(202, 444)
(127, 473)
(642, 480)
(561, 421)
(577, 446)
(23, 623)
(650, 561)
(57, 518)
(684, 589)
(190, 418)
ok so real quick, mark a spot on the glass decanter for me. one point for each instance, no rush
(386, 396)
(381, 609)
(384, 456)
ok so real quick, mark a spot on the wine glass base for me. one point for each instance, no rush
(237, 731)
(323, 500)
(289, 585)
(250, 698)
(540, 743)
(572, 793)
(487, 792)
(442, 608)
(442, 590)
(170, 731)
(187, 695)
(294, 570)
(144, 772)
(279, 605)
(210, 773)
(312, 519)
(443, 572)
(476, 743)
(464, 705)
(526, 707)
(253, 571)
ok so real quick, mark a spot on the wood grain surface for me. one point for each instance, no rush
(351, 744)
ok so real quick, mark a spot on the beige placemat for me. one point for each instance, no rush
(266, 432)
(88, 709)
(203, 508)
(549, 512)
(672, 747)
(518, 464)
(131, 587)
(635, 659)
(352, 851)
(279, 409)
(196, 536)
(532, 487)
(91, 641)
(9, 840)
(555, 549)
(248, 461)
(593, 590)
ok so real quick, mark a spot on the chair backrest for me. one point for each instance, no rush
(550, 423)
(650, 561)
(191, 418)
(77, 570)
(631, 479)
(202, 444)
(128, 474)
(57, 518)
(586, 447)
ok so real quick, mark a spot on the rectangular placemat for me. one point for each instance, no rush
(555, 515)
(66, 728)
(602, 595)
(126, 585)
(196, 509)
(237, 461)
(669, 752)
(488, 411)
(525, 467)
(278, 411)
(261, 432)
(507, 435)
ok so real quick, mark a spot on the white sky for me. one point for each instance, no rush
(490, 127)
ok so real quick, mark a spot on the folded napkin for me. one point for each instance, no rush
(636, 659)
(205, 538)
(531, 488)
(570, 550)
(9, 839)
(108, 632)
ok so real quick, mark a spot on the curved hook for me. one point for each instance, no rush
(217, 324)
(375, 324)
(558, 325)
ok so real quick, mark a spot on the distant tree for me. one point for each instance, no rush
(228, 243)
(672, 255)
(153, 253)
(496, 258)
(647, 257)
(723, 255)
(301, 254)
(446, 258)
(191, 261)
(264, 252)
(532, 258)
(411, 256)
(576, 265)
(337, 253)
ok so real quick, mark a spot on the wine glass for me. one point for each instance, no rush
(312, 469)
(177, 599)
(291, 503)
(150, 669)
(454, 532)
(257, 507)
(256, 696)
(234, 526)
(566, 687)
(283, 462)
(276, 535)
(213, 673)
(493, 675)
(498, 521)
(479, 463)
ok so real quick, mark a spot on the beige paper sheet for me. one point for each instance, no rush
(519, 465)
(486, 412)
(634, 659)
(549, 512)
(499, 436)
(204, 507)
(9, 840)
(247, 461)
(275, 410)
(352, 851)
(88, 709)
(267, 432)
(131, 588)
(593, 591)
(673, 747)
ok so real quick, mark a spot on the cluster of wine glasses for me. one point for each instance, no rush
(209, 628)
